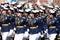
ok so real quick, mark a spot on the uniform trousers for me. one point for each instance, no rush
(19, 36)
(52, 36)
(5, 35)
(33, 36)
(26, 34)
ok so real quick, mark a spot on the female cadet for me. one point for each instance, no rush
(52, 25)
(5, 26)
(33, 26)
(20, 25)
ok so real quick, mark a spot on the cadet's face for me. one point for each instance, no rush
(31, 15)
(48, 9)
(19, 14)
(1, 9)
(25, 14)
(41, 13)
(51, 16)
(9, 11)
(3, 12)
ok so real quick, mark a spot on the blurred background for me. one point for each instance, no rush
(42, 2)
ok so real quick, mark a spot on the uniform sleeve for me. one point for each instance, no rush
(27, 25)
(57, 25)
(12, 20)
(45, 27)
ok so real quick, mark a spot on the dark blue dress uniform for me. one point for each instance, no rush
(40, 20)
(58, 18)
(33, 29)
(52, 23)
(44, 23)
(12, 26)
(5, 26)
(20, 24)
(27, 10)
(12, 20)
(27, 25)
(52, 26)
(26, 34)
(33, 23)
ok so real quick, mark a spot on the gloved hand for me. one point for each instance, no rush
(46, 31)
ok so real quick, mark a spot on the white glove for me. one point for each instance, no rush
(27, 30)
(46, 31)
(26, 34)
(14, 28)
(42, 35)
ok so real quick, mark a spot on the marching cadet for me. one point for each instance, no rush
(26, 14)
(42, 23)
(58, 17)
(12, 20)
(5, 26)
(20, 24)
(33, 26)
(52, 25)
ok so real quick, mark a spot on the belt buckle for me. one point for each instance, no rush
(20, 26)
(52, 26)
(34, 27)
(5, 25)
